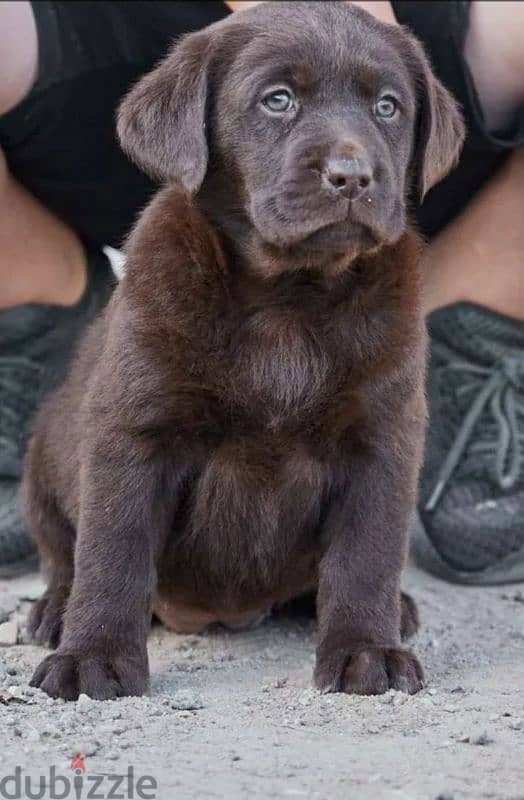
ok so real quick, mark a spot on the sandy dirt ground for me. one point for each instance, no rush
(233, 715)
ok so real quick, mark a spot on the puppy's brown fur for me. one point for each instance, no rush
(245, 422)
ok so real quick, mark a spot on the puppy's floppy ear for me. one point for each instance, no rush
(440, 129)
(161, 121)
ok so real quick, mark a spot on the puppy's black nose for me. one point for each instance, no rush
(347, 176)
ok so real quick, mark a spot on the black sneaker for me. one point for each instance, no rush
(36, 344)
(470, 527)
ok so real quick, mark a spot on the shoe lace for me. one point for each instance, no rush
(500, 385)
(20, 381)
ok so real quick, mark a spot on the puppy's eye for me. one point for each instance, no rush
(386, 106)
(279, 101)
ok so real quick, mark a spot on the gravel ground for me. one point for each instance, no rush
(233, 715)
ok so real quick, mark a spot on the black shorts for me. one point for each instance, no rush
(60, 140)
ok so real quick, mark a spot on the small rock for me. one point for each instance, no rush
(280, 683)
(432, 692)
(111, 756)
(16, 692)
(8, 634)
(84, 703)
(517, 725)
(445, 796)
(32, 735)
(186, 700)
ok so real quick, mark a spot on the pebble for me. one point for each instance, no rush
(8, 634)
(445, 796)
(84, 703)
(17, 692)
(186, 700)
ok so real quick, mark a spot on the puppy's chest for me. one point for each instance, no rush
(281, 362)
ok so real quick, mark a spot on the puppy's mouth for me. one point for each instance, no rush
(316, 220)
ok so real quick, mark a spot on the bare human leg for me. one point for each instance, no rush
(41, 259)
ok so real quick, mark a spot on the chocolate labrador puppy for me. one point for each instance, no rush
(244, 424)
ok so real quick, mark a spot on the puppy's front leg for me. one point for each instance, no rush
(359, 602)
(126, 506)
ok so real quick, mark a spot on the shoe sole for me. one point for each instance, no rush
(426, 556)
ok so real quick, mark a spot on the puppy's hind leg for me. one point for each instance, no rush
(54, 537)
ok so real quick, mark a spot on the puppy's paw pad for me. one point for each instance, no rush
(374, 670)
(409, 621)
(100, 677)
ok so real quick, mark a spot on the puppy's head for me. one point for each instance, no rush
(312, 122)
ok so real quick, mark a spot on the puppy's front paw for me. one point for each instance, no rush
(101, 677)
(371, 670)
